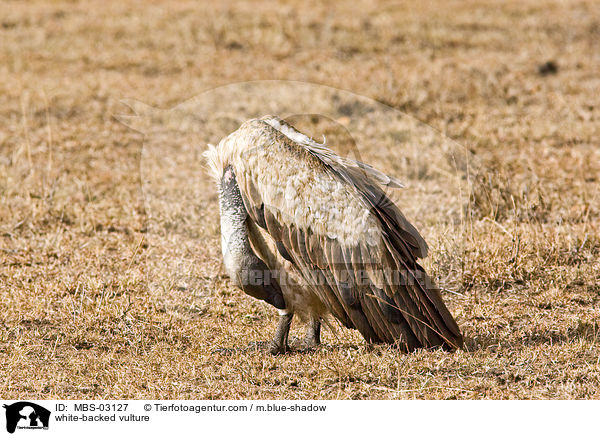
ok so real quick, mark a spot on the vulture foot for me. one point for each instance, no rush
(312, 338)
(279, 345)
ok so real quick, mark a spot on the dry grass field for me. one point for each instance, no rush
(99, 298)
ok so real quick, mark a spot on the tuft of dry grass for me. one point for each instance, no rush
(95, 300)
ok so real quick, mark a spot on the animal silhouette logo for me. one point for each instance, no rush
(26, 415)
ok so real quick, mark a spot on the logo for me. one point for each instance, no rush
(26, 415)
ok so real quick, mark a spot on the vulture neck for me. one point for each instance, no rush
(235, 244)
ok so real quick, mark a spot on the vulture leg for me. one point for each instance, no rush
(279, 345)
(312, 338)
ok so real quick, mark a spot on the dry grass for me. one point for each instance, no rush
(92, 304)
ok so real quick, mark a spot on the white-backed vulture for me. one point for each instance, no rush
(314, 234)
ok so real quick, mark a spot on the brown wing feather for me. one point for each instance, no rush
(404, 310)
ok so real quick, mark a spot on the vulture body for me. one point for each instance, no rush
(314, 234)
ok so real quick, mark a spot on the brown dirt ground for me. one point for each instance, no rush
(78, 318)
